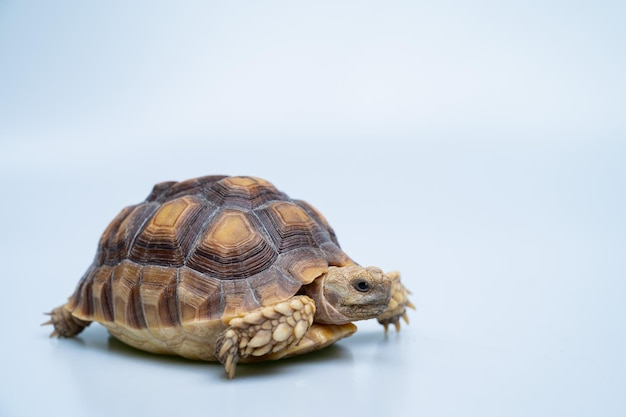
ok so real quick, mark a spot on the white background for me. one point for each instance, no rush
(479, 147)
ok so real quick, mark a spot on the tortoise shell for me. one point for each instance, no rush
(208, 248)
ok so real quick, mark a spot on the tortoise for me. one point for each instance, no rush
(228, 269)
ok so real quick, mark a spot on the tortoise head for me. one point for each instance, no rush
(350, 293)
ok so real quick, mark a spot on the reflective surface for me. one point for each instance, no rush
(478, 150)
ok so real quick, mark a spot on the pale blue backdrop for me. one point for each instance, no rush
(478, 146)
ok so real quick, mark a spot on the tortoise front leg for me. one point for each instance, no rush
(397, 304)
(264, 331)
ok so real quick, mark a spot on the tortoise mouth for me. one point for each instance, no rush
(342, 310)
(362, 311)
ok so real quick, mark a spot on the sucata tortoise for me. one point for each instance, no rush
(228, 269)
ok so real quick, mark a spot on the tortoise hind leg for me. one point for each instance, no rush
(264, 332)
(65, 324)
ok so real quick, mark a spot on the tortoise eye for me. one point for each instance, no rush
(361, 285)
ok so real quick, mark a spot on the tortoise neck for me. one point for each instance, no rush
(325, 313)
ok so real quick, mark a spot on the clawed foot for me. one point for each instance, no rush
(227, 351)
(65, 324)
(397, 305)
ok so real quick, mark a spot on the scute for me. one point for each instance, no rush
(273, 284)
(243, 192)
(119, 236)
(102, 294)
(158, 296)
(231, 229)
(127, 306)
(289, 225)
(232, 247)
(168, 235)
(199, 296)
(207, 248)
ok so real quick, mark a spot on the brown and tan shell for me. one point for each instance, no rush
(204, 249)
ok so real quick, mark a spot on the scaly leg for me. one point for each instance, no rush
(65, 324)
(397, 305)
(264, 331)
